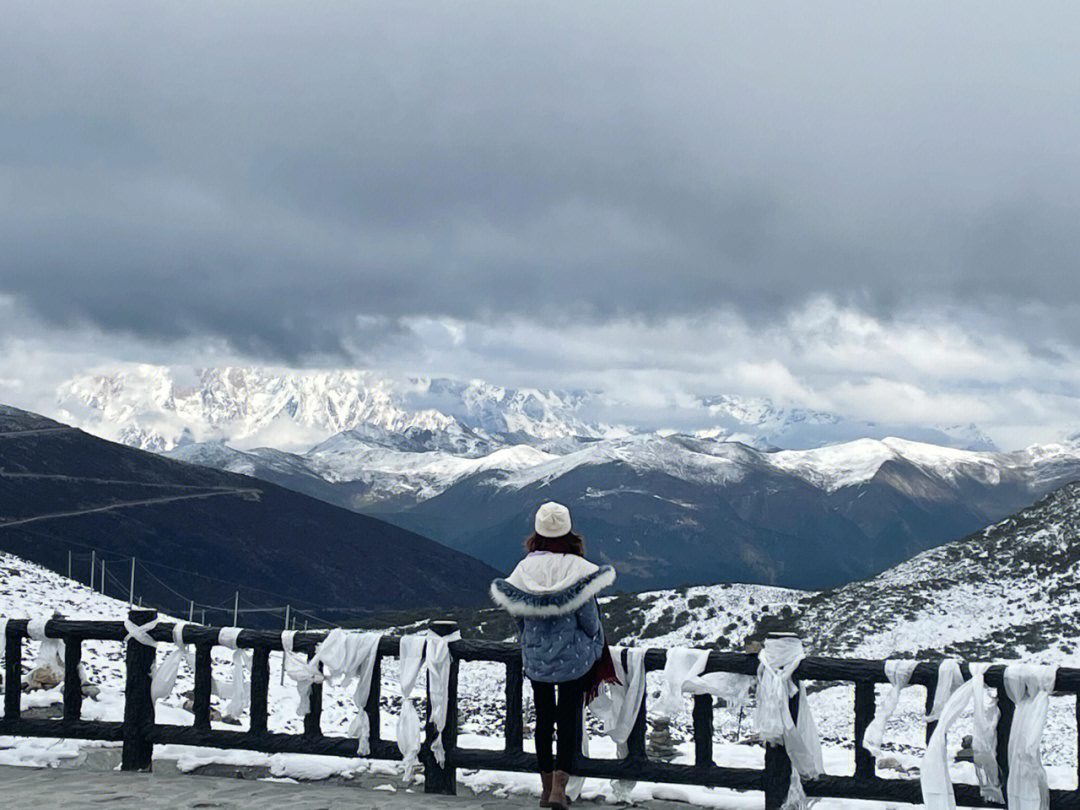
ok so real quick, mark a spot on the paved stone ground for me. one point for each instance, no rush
(167, 789)
(87, 788)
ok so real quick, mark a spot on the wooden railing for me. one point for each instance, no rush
(139, 731)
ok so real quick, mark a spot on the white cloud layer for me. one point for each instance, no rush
(926, 368)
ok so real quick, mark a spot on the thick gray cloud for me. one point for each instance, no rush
(267, 173)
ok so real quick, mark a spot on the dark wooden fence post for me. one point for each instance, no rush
(865, 708)
(204, 685)
(777, 776)
(443, 779)
(515, 711)
(313, 719)
(13, 675)
(72, 682)
(373, 703)
(1004, 729)
(260, 689)
(138, 752)
(703, 731)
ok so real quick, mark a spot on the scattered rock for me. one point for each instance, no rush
(41, 678)
(215, 716)
(90, 690)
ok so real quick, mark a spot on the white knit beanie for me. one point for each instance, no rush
(552, 520)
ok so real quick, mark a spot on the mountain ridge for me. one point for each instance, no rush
(160, 408)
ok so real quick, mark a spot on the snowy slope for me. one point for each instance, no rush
(1010, 591)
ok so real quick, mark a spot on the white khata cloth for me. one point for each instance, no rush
(1029, 686)
(237, 692)
(430, 654)
(899, 673)
(777, 662)
(51, 650)
(409, 730)
(681, 665)
(934, 777)
(437, 665)
(361, 651)
(985, 716)
(164, 680)
(618, 706)
(732, 688)
(302, 671)
(948, 681)
(344, 657)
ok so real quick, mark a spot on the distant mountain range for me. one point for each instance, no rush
(467, 464)
(161, 408)
(205, 533)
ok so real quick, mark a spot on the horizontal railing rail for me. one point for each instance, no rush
(139, 731)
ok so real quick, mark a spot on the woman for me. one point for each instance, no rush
(552, 596)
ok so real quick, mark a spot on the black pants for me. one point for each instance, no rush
(567, 714)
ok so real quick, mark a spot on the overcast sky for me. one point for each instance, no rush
(864, 207)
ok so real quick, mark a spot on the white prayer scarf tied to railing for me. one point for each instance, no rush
(985, 716)
(899, 673)
(618, 706)
(51, 650)
(437, 663)
(302, 672)
(934, 777)
(681, 666)
(237, 692)
(1029, 686)
(164, 678)
(777, 662)
(141, 632)
(430, 654)
(949, 680)
(346, 657)
(411, 659)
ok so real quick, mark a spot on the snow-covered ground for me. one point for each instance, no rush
(29, 591)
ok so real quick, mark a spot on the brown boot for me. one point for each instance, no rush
(558, 791)
(545, 793)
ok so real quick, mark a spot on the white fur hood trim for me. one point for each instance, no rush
(520, 602)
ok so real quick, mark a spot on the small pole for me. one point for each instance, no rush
(69, 563)
(93, 566)
(283, 652)
(236, 610)
(203, 620)
(102, 576)
(191, 611)
(131, 590)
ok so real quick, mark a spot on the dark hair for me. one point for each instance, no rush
(569, 543)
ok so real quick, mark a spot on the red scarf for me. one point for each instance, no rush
(603, 671)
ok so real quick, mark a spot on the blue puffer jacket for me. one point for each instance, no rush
(553, 598)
